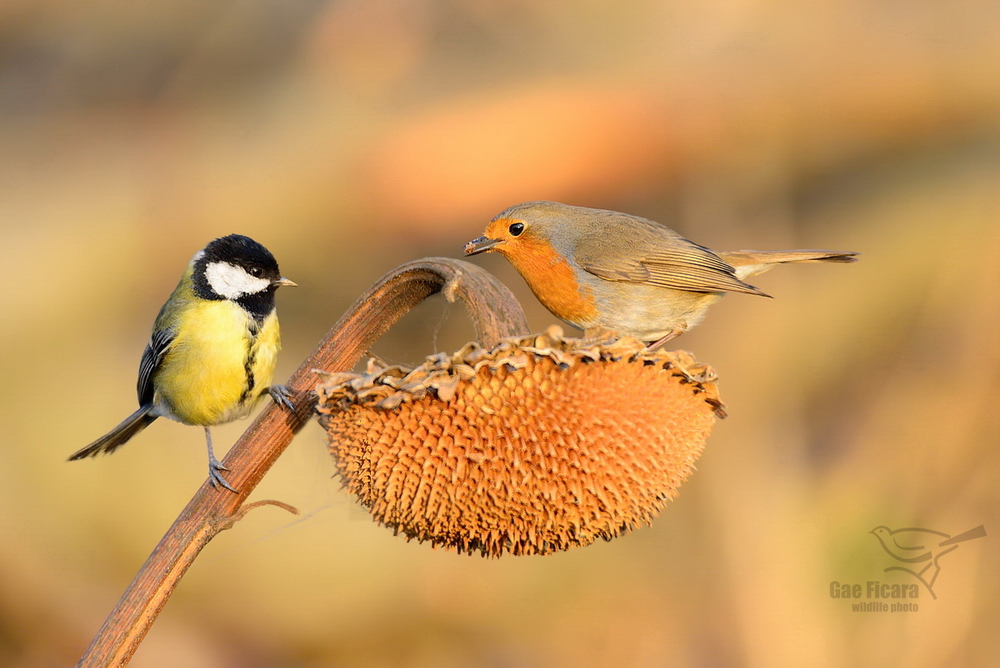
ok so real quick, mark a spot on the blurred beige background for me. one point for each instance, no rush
(353, 135)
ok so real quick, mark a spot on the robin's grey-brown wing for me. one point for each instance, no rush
(652, 254)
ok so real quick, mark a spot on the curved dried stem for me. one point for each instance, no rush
(496, 315)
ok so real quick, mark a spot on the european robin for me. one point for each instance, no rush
(612, 273)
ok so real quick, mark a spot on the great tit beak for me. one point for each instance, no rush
(282, 282)
(480, 245)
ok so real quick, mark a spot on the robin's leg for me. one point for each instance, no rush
(672, 334)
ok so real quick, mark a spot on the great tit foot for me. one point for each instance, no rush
(281, 396)
(215, 477)
(214, 466)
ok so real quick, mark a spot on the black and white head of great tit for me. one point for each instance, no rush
(239, 269)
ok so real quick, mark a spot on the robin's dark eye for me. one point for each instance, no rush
(516, 229)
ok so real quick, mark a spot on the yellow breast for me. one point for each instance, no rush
(218, 365)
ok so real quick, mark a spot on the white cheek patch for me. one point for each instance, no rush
(233, 282)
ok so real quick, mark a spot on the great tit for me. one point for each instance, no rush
(213, 347)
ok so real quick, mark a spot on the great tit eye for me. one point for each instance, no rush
(256, 272)
(516, 229)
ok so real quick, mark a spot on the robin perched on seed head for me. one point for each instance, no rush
(612, 273)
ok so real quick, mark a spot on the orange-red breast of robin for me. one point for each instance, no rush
(613, 273)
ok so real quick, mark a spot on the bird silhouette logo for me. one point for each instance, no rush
(916, 546)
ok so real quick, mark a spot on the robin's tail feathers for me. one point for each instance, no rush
(118, 436)
(750, 262)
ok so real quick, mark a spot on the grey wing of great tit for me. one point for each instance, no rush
(152, 359)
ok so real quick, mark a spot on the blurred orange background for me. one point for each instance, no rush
(351, 136)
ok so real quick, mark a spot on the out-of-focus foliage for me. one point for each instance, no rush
(351, 136)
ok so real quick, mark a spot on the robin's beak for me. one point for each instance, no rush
(480, 245)
(284, 282)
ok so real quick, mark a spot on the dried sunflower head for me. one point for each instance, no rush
(534, 446)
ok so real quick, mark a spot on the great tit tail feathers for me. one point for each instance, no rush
(118, 436)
